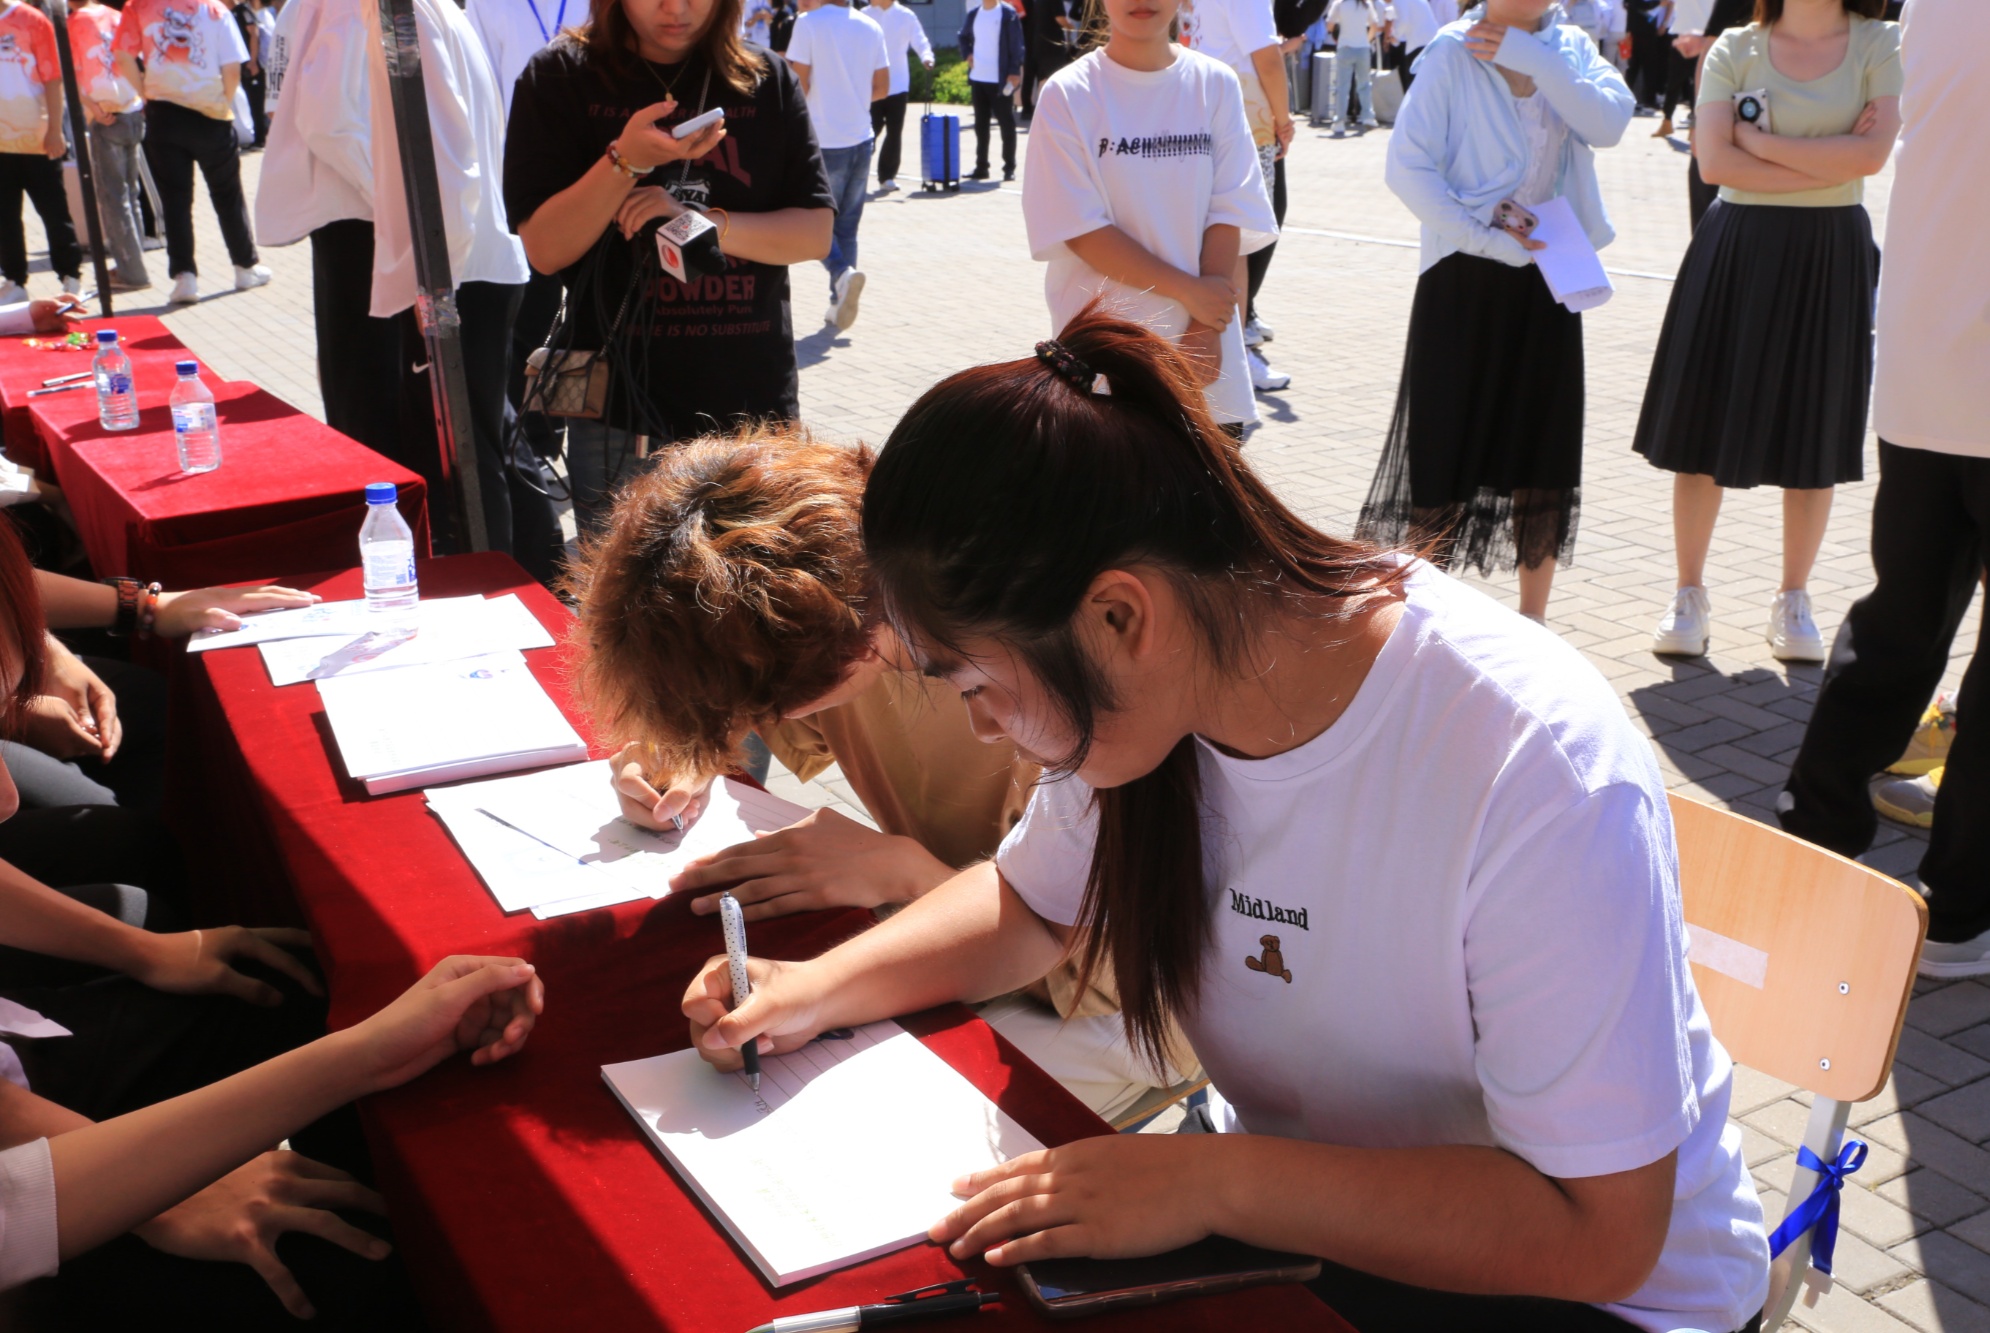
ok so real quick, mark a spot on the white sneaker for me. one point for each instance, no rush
(255, 275)
(887, 187)
(12, 293)
(849, 287)
(1263, 378)
(1971, 958)
(186, 290)
(1792, 634)
(73, 286)
(1256, 333)
(1686, 628)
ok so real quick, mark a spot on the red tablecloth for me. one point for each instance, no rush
(523, 1195)
(150, 344)
(288, 497)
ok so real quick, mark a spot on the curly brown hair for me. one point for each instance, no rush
(728, 588)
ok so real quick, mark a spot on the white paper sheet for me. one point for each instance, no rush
(1570, 264)
(347, 618)
(433, 723)
(847, 1151)
(447, 629)
(563, 846)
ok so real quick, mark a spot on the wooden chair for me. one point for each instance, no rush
(1805, 961)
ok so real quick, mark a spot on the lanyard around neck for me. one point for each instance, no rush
(559, 20)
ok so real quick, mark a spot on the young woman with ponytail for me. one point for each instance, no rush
(1394, 859)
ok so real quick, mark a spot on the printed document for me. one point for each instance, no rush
(1574, 272)
(555, 842)
(446, 629)
(346, 618)
(446, 720)
(847, 1151)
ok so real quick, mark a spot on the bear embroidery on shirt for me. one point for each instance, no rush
(1273, 962)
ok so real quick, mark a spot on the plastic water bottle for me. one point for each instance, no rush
(194, 428)
(387, 557)
(117, 401)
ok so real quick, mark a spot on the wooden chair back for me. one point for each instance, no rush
(1804, 959)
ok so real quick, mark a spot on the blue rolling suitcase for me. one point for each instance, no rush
(939, 151)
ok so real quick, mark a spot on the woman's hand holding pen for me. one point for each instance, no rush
(652, 800)
(783, 1013)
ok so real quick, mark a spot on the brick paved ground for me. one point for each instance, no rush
(952, 284)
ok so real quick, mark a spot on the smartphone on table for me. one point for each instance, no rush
(1070, 1288)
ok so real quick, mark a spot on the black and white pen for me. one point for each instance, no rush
(733, 920)
(934, 1302)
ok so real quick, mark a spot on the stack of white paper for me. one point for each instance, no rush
(446, 629)
(445, 720)
(555, 842)
(1570, 264)
(346, 618)
(847, 1152)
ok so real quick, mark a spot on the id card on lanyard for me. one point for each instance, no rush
(559, 20)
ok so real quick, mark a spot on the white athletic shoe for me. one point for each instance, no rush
(1686, 627)
(12, 293)
(1971, 958)
(1256, 332)
(255, 275)
(1792, 634)
(849, 287)
(186, 290)
(73, 286)
(1263, 378)
(887, 187)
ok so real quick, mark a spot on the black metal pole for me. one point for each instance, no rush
(79, 135)
(435, 290)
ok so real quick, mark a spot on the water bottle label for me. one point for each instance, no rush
(117, 384)
(391, 567)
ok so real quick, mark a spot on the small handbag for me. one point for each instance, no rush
(567, 384)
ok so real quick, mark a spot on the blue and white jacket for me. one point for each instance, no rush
(1458, 149)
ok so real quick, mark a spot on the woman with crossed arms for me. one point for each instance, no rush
(1393, 856)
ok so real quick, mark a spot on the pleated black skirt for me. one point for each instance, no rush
(1764, 367)
(1484, 455)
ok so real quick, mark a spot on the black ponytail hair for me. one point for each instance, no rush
(1003, 493)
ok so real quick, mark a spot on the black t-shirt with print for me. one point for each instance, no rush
(720, 348)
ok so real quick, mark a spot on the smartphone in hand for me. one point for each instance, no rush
(1512, 217)
(697, 124)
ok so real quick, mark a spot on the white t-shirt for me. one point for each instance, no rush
(987, 66)
(318, 167)
(1350, 23)
(1931, 378)
(513, 31)
(1453, 919)
(1162, 155)
(842, 49)
(903, 32)
(1230, 30)
(1415, 24)
(184, 44)
(27, 1214)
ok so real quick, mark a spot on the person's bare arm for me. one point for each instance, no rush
(25, 1117)
(567, 225)
(127, 65)
(1836, 157)
(1209, 296)
(1219, 259)
(880, 84)
(1723, 163)
(1270, 64)
(231, 79)
(801, 75)
(53, 142)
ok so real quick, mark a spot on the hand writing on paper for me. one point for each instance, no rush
(783, 1013)
(825, 860)
(1115, 1197)
(240, 1217)
(201, 962)
(651, 799)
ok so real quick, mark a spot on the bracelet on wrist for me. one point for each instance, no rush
(725, 224)
(129, 591)
(616, 161)
(148, 609)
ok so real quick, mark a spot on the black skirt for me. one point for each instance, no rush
(1484, 455)
(1764, 368)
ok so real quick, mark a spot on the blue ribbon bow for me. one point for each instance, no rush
(1821, 1208)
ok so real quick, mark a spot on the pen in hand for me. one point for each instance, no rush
(734, 922)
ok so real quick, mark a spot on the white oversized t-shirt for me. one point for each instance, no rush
(1453, 919)
(1163, 155)
(842, 50)
(903, 33)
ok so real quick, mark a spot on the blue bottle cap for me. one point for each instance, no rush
(380, 492)
(106, 335)
(187, 368)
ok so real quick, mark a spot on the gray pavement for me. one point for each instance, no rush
(952, 284)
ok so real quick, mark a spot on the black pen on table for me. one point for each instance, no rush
(734, 922)
(934, 1302)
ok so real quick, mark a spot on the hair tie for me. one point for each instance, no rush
(1073, 371)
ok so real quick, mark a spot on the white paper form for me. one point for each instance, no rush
(847, 1151)
(347, 618)
(1570, 264)
(446, 629)
(422, 724)
(555, 842)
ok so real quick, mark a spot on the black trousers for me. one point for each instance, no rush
(1930, 542)
(991, 99)
(1678, 80)
(34, 175)
(888, 126)
(1405, 69)
(1258, 262)
(359, 357)
(176, 141)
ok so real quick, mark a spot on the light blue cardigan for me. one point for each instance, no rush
(1457, 148)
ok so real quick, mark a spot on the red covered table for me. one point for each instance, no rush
(524, 1196)
(150, 344)
(288, 497)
